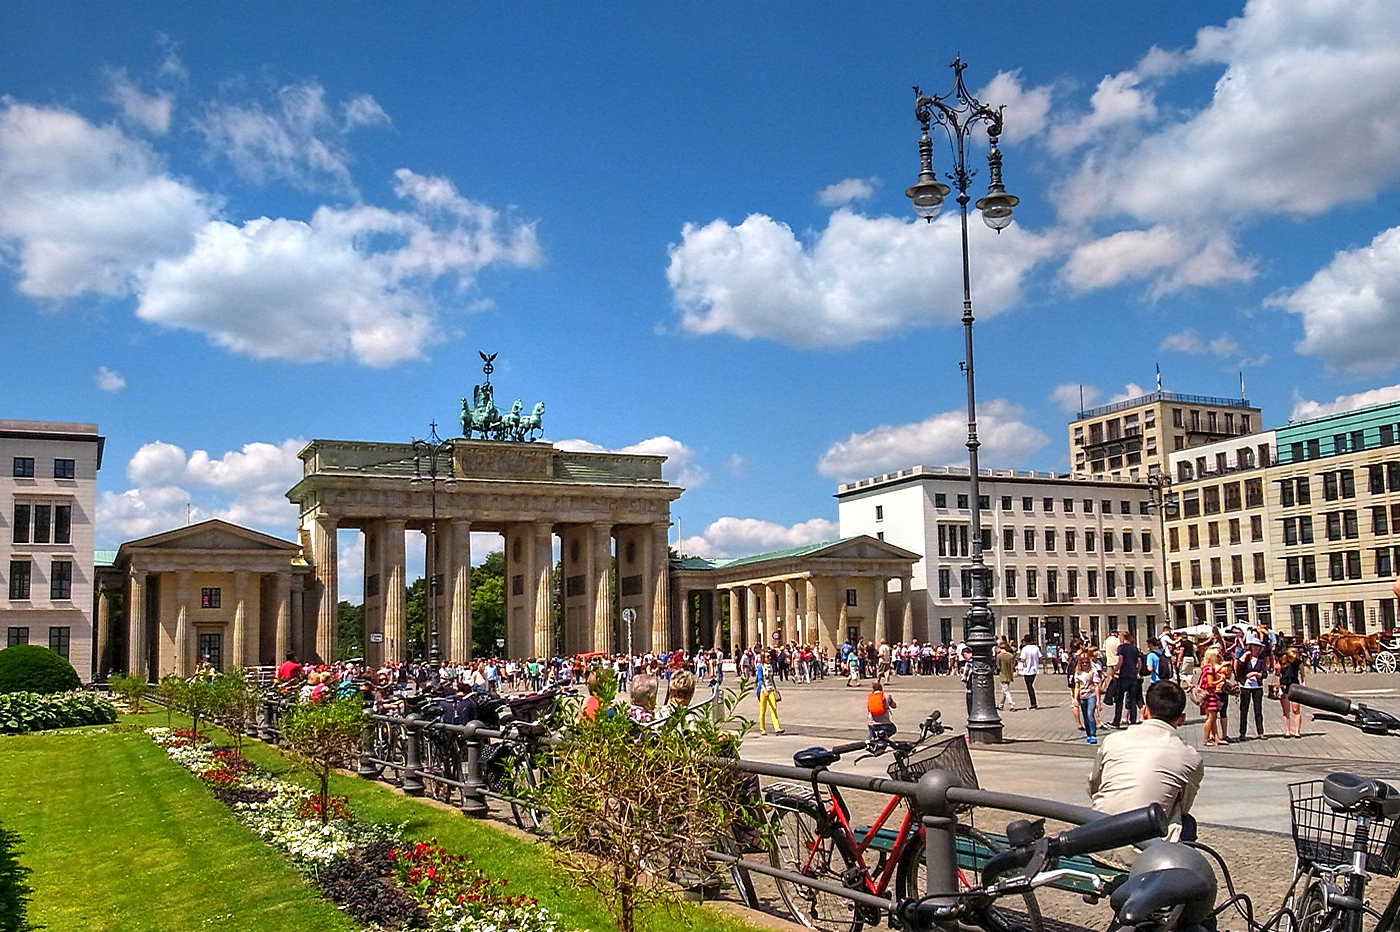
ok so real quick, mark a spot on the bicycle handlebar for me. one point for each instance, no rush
(1114, 831)
(1317, 699)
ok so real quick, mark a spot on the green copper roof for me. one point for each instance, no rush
(104, 557)
(702, 563)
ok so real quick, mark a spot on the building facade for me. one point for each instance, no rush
(1066, 554)
(1127, 439)
(50, 500)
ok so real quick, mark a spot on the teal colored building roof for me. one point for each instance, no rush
(702, 563)
(104, 557)
(1337, 434)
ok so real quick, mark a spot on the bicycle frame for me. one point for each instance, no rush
(836, 818)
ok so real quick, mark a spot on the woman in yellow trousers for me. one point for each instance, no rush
(767, 690)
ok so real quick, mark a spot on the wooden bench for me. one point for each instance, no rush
(973, 856)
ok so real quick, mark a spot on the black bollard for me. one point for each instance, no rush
(413, 756)
(474, 792)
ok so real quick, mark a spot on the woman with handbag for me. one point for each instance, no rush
(1210, 681)
(768, 696)
(1290, 673)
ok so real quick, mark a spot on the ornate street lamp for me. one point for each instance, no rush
(958, 112)
(1164, 500)
(433, 450)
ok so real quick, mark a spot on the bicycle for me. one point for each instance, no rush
(1345, 828)
(815, 837)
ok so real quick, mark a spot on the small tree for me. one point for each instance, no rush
(199, 698)
(170, 690)
(130, 689)
(236, 701)
(323, 736)
(629, 804)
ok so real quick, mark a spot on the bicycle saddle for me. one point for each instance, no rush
(1141, 897)
(815, 758)
(1346, 792)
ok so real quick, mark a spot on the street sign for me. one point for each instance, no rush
(376, 638)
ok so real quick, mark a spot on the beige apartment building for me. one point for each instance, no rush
(1127, 439)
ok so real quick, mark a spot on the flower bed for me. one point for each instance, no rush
(366, 869)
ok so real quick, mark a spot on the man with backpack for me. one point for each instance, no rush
(879, 705)
(1159, 663)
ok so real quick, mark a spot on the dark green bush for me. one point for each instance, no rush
(29, 668)
(25, 712)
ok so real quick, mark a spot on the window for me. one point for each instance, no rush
(1006, 503)
(1237, 570)
(1213, 533)
(940, 499)
(984, 502)
(42, 515)
(1304, 490)
(1146, 541)
(1049, 540)
(1091, 539)
(1073, 584)
(1130, 583)
(1173, 539)
(1353, 564)
(1069, 540)
(1334, 525)
(1235, 530)
(24, 469)
(1125, 508)
(1254, 493)
(1196, 574)
(1349, 525)
(65, 469)
(1348, 482)
(1232, 496)
(19, 580)
(1309, 569)
(1383, 564)
(17, 636)
(1029, 536)
(1106, 507)
(1127, 541)
(1217, 576)
(61, 579)
(212, 597)
(1008, 539)
(1088, 506)
(1290, 531)
(1392, 476)
(943, 540)
(1291, 572)
(58, 640)
(962, 500)
(1069, 506)
(879, 512)
(1027, 503)
(1191, 503)
(1148, 583)
(850, 597)
(1376, 478)
(1285, 493)
(1210, 496)
(1176, 575)
(1032, 584)
(1378, 520)
(62, 524)
(1193, 536)
(1107, 541)
(945, 584)
(1009, 578)
(1048, 505)
(1259, 575)
(21, 523)
(1256, 527)
(1110, 583)
(1336, 566)
(966, 583)
(1093, 584)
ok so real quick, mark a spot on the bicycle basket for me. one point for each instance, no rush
(946, 754)
(1325, 837)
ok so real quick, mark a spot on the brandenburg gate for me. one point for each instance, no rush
(528, 491)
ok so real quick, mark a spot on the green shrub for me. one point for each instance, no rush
(323, 736)
(14, 892)
(130, 688)
(29, 668)
(25, 712)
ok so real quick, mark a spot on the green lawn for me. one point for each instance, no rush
(121, 838)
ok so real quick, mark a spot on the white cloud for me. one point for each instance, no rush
(847, 191)
(1131, 390)
(862, 278)
(149, 111)
(1189, 341)
(85, 208)
(1026, 108)
(171, 489)
(1204, 174)
(742, 537)
(1351, 307)
(1070, 397)
(940, 440)
(109, 381)
(679, 468)
(1306, 410)
(299, 139)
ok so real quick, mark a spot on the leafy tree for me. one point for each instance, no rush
(488, 604)
(130, 688)
(235, 702)
(200, 698)
(170, 690)
(14, 892)
(323, 736)
(629, 804)
(350, 631)
(29, 668)
(415, 613)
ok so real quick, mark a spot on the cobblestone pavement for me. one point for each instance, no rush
(1242, 807)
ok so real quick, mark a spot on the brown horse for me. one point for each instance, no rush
(1358, 648)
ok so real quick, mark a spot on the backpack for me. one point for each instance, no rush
(1166, 670)
(875, 702)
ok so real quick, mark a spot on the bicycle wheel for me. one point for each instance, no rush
(796, 847)
(1313, 914)
(743, 880)
(525, 785)
(909, 878)
(440, 760)
(378, 750)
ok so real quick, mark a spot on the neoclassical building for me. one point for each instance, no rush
(212, 589)
(593, 506)
(827, 593)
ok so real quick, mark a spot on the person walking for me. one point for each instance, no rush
(1129, 678)
(1290, 673)
(1006, 673)
(1251, 669)
(1030, 665)
(1211, 678)
(766, 688)
(1087, 686)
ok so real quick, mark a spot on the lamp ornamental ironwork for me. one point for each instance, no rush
(959, 113)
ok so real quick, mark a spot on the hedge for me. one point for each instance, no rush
(25, 712)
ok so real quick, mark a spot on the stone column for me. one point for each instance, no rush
(814, 618)
(298, 625)
(753, 632)
(736, 624)
(905, 585)
(770, 614)
(601, 569)
(882, 628)
(686, 615)
(658, 580)
(323, 547)
(842, 622)
(137, 654)
(239, 654)
(792, 628)
(283, 644)
(459, 587)
(104, 628)
(392, 590)
(184, 648)
(544, 590)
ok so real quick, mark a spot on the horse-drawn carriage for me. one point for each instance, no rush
(1364, 651)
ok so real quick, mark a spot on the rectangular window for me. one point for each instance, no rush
(211, 597)
(1234, 530)
(61, 579)
(1093, 584)
(850, 597)
(1213, 533)
(1336, 566)
(1211, 499)
(1303, 490)
(1193, 536)
(1088, 506)
(1196, 574)
(19, 579)
(24, 467)
(1027, 503)
(1073, 584)
(1290, 531)
(1127, 541)
(1237, 570)
(1146, 541)
(1376, 478)
(1259, 575)
(962, 500)
(1353, 564)
(1107, 541)
(42, 515)
(1006, 503)
(1010, 582)
(1191, 503)
(1334, 525)
(1330, 490)
(1069, 506)
(1091, 540)
(984, 502)
(1379, 525)
(945, 584)
(1176, 575)
(1348, 482)
(21, 524)
(1383, 566)
(1305, 530)
(943, 540)
(1285, 493)
(879, 512)
(1173, 539)
(1148, 584)
(1069, 540)
(1048, 506)
(1130, 584)
(1110, 583)
(17, 636)
(65, 469)
(1256, 527)
(1232, 496)
(966, 584)
(1349, 525)
(1049, 540)
(1310, 569)
(1029, 536)
(1008, 539)
(1254, 493)
(1292, 573)
(940, 499)
(986, 538)
(1392, 476)
(1106, 507)
(59, 639)
(62, 524)
(1217, 576)
(1032, 584)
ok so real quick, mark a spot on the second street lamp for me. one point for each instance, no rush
(958, 112)
(432, 451)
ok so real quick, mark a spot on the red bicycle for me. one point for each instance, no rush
(815, 836)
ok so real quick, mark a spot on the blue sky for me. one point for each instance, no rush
(227, 231)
